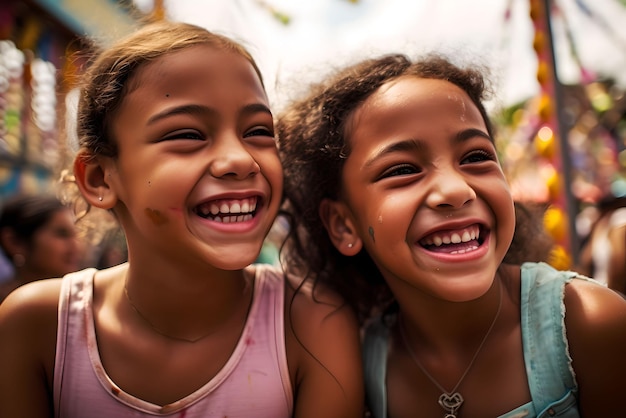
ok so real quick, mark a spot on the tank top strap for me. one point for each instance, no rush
(546, 352)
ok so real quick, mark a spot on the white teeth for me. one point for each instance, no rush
(467, 235)
(463, 251)
(245, 206)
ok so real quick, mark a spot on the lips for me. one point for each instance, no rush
(228, 210)
(458, 241)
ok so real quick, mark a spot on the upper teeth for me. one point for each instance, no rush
(440, 238)
(242, 206)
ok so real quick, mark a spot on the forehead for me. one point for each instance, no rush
(412, 90)
(411, 100)
(199, 62)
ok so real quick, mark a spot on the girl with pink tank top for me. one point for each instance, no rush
(176, 140)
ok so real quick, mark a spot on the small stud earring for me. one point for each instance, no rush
(100, 198)
(350, 245)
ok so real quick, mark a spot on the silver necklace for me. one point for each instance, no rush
(156, 329)
(451, 400)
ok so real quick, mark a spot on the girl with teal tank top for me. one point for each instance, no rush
(399, 202)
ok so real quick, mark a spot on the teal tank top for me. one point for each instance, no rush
(551, 378)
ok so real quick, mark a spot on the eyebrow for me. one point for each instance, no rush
(203, 110)
(417, 145)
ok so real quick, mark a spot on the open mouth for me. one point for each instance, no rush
(454, 241)
(228, 210)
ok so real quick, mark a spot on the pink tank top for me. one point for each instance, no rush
(254, 382)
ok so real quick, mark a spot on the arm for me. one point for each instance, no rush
(596, 329)
(323, 343)
(27, 346)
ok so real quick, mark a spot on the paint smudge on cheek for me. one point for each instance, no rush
(156, 216)
(371, 232)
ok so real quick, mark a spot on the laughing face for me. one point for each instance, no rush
(197, 172)
(425, 191)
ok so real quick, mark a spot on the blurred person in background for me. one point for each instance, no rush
(38, 236)
(603, 253)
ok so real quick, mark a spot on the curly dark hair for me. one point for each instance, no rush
(313, 147)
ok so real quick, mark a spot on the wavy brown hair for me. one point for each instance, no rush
(313, 145)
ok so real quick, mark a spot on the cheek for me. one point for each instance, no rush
(383, 220)
(156, 217)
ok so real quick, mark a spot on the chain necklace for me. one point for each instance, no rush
(156, 329)
(451, 400)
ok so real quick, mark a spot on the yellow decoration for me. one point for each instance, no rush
(535, 10)
(539, 42)
(554, 222)
(542, 73)
(545, 108)
(559, 258)
(553, 185)
(544, 142)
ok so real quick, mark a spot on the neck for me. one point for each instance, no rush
(185, 307)
(456, 325)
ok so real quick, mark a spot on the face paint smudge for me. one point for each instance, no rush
(155, 216)
(371, 232)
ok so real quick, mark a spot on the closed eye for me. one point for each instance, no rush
(400, 170)
(193, 135)
(259, 131)
(478, 156)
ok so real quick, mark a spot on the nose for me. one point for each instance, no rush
(449, 189)
(231, 159)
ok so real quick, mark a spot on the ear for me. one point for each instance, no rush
(341, 229)
(92, 177)
(11, 243)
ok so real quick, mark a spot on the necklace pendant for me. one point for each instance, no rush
(451, 402)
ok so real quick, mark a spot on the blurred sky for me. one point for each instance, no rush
(323, 34)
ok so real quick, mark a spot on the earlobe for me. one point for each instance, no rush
(10, 242)
(340, 228)
(90, 174)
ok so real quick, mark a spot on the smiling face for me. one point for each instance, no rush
(424, 190)
(197, 171)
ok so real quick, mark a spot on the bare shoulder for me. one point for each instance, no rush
(323, 349)
(595, 319)
(593, 307)
(29, 315)
(28, 324)
(317, 315)
(313, 298)
(31, 302)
